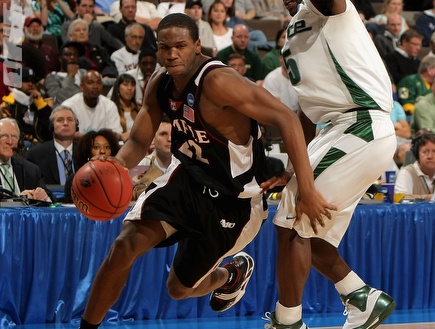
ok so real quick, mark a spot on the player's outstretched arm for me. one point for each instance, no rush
(256, 102)
(330, 7)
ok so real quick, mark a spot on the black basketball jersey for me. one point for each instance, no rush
(208, 156)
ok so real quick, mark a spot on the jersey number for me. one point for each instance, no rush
(193, 151)
(293, 71)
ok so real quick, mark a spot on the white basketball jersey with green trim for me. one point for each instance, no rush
(334, 65)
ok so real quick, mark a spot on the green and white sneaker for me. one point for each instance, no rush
(366, 308)
(274, 324)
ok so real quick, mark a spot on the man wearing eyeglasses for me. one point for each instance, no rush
(404, 60)
(18, 176)
(26, 105)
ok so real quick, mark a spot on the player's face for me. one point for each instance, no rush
(8, 140)
(64, 124)
(162, 139)
(101, 147)
(177, 50)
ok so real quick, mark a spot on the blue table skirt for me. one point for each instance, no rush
(49, 257)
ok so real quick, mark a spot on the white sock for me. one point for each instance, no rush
(288, 315)
(350, 283)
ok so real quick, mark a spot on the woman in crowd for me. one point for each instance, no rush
(101, 142)
(391, 7)
(217, 17)
(53, 13)
(95, 57)
(124, 96)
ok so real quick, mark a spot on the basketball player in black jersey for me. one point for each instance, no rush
(210, 202)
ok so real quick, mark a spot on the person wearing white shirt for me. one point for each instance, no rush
(172, 7)
(416, 180)
(93, 110)
(278, 84)
(146, 13)
(127, 57)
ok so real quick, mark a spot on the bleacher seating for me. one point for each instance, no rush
(269, 26)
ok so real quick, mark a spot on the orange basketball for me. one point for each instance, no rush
(101, 190)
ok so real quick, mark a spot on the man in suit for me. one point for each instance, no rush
(55, 157)
(19, 176)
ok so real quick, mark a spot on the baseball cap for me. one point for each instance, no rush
(80, 48)
(191, 3)
(29, 20)
(27, 74)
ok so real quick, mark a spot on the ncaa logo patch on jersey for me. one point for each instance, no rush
(190, 99)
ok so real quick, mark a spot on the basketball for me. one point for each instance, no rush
(101, 190)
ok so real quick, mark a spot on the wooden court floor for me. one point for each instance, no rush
(412, 319)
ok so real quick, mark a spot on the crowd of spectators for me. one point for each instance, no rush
(104, 53)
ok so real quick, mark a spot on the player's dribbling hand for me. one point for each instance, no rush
(316, 208)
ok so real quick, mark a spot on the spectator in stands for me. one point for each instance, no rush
(404, 60)
(217, 17)
(431, 46)
(160, 159)
(95, 58)
(242, 8)
(414, 86)
(238, 62)
(65, 83)
(424, 113)
(270, 9)
(93, 110)
(165, 8)
(365, 8)
(257, 38)
(98, 35)
(146, 67)
(272, 60)
(416, 180)
(425, 24)
(100, 142)
(55, 158)
(26, 105)
(392, 7)
(278, 84)
(124, 96)
(403, 132)
(128, 10)
(53, 13)
(387, 42)
(127, 57)
(240, 40)
(19, 176)
(193, 9)
(146, 13)
(33, 32)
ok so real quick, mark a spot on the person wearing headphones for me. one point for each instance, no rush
(416, 180)
(20, 178)
(55, 157)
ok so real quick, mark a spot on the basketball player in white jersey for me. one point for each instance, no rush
(342, 83)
